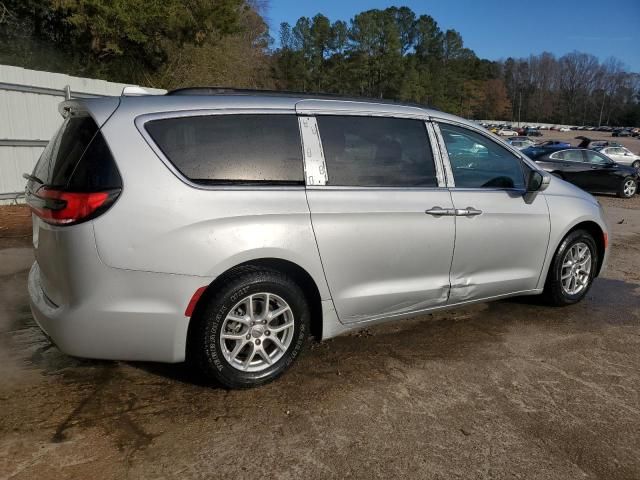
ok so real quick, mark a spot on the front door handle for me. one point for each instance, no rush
(439, 211)
(467, 212)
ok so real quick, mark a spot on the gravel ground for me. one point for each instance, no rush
(503, 390)
(632, 143)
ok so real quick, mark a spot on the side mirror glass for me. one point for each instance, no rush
(535, 181)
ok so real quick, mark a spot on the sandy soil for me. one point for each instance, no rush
(503, 390)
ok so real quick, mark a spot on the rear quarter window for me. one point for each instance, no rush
(78, 158)
(228, 149)
(61, 156)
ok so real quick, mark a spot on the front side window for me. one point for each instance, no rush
(595, 157)
(478, 162)
(232, 149)
(376, 152)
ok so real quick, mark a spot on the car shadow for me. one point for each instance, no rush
(447, 334)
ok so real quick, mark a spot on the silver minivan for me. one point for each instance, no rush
(226, 227)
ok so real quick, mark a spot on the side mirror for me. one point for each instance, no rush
(537, 181)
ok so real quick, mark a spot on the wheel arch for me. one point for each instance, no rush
(598, 235)
(295, 271)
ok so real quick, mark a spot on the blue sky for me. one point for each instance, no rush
(495, 30)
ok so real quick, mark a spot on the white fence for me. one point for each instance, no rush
(29, 117)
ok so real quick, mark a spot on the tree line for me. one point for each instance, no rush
(392, 53)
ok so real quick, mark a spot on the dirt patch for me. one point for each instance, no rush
(15, 225)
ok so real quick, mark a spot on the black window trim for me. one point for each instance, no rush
(141, 120)
(437, 160)
(525, 163)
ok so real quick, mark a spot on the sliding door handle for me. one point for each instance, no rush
(467, 212)
(439, 211)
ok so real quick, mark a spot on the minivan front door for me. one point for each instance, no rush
(501, 235)
(382, 219)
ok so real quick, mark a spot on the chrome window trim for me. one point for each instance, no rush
(445, 155)
(437, 157)
(362, 113)
(355, 187)
(315, 167)
(141, 120)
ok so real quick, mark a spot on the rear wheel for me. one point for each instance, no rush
(572, 269)
(628, 187)
(251, 330)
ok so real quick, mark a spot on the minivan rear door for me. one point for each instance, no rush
(380, 213)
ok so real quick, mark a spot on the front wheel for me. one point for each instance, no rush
(572, 270)
(636, 164)
(628, 187)
(251, 330)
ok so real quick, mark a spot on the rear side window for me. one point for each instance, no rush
(377, 152)
(78, 158)
(220, 149)
(569, 156)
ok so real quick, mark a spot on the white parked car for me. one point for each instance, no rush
(505, 132)
(564, 129)
(622, 155)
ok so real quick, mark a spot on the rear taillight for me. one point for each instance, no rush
(58, 207)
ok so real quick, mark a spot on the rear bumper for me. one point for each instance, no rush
(124, 315)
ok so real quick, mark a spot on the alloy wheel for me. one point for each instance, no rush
(576, 269)
(630, 187)
(257, 332)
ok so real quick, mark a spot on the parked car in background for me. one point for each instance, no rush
(536, 150)
(622, 155)
(623, 132)
(591, 171)
(555, 143)
(564, 129)
(226, 228)
(521, 144)
(506, 132)
(586, 142)
(532, 132)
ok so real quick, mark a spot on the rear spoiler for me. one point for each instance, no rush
(100, 109)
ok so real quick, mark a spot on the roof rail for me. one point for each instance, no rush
(285, 93)
(134, 91)
(244, 91)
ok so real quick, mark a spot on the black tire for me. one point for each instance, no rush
(621, 192)
(636, 164)
(205, 351)
(554, 294)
